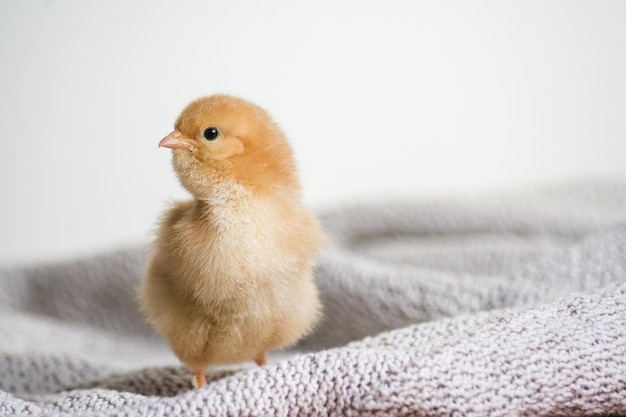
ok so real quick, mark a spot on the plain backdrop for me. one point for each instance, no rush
(381, 100)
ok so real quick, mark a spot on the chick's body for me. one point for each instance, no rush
(231, 273)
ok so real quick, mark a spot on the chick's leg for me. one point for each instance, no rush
(199, 379)
(261, 359)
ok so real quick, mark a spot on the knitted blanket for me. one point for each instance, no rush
(513, 304)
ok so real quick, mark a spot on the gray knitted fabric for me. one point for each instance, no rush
(509, 305)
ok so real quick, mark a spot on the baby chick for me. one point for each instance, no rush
(231, 273)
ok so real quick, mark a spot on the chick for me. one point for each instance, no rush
(231, 273)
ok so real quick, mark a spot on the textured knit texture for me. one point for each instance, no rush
(508, 305)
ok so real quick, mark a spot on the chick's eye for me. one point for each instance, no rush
(211, 133)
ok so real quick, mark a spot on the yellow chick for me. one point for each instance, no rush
(231, 273)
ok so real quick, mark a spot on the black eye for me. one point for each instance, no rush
(211, 133)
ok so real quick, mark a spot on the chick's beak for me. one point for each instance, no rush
(174, 141)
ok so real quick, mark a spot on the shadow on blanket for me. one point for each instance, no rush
(512, 304)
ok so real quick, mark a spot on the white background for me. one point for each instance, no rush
(380, 99)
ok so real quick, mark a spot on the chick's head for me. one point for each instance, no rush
(223, 138)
